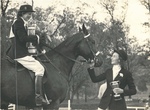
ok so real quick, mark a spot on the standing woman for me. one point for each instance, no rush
(113, 97)
(20, 53)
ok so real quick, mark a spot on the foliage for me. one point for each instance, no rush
(139, 65)
(142, 85)
(146, 3)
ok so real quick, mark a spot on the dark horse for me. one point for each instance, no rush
(19, 87)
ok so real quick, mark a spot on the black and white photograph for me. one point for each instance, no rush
(75, 55)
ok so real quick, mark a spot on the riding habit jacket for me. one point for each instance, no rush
(125, 78)
(18, 47)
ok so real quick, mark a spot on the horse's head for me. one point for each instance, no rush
(86, 47)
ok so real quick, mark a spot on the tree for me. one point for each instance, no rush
(146, 3)
(4, 6)
(139, 65)
(142, 85)
(117, 27)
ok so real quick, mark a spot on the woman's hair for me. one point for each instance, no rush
(20, 14)
(122, 63)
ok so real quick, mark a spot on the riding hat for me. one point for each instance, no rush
(26, 8)
(122, 54)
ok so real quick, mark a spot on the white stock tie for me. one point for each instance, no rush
(116, 69)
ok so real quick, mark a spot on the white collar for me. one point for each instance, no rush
(116, 69)
(116, 66)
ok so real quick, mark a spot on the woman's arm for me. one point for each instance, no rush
(95, 78)
(131, 86)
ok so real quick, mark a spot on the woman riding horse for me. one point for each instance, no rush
(19, 50)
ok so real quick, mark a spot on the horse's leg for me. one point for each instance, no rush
(4, 105)
(54, 105)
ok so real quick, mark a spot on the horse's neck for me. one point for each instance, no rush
(70, 55)
(64, 59)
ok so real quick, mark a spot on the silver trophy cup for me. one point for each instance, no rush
(31, 49)
(115, 84)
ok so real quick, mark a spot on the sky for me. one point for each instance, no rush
(136, 14)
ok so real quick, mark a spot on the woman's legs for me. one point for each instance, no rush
(34, 65)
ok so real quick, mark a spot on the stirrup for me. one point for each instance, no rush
(48, 101)
(39, 100)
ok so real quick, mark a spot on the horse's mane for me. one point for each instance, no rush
(67, 44)
(71, 40)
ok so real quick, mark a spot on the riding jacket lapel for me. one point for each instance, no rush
(111, 76)
(25, 23)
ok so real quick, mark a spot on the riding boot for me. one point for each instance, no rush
(39, 99)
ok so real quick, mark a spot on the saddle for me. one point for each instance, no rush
(20, 68)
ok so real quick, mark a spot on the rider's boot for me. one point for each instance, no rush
(39, 99)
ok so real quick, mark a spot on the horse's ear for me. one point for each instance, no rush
(80, 30)
(84, 30)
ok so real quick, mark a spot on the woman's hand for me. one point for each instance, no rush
(98, 62)
(118, 90)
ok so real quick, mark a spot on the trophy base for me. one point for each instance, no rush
(117, 97)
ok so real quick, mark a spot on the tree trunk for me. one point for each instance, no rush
(4, 7)
(3, 13)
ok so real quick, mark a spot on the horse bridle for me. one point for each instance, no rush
(95, 54)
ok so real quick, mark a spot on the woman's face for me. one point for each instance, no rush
(115, 59)
(27, 16)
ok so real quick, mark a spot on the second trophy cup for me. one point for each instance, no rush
(115, 84)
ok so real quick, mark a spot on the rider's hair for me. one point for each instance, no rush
(20, 14)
